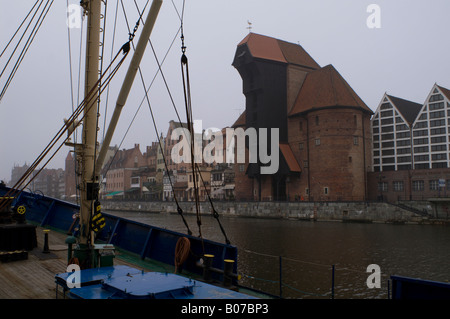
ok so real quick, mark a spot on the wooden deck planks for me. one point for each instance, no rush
(34, 278)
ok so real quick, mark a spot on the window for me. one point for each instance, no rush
(386, 113)
(325, 190)
(437, 131)
(436, 97)
(317, 120)
(404, 159)
(317, 141)
(305, 164)
(438, 157)
(403, 150)
(434, 185)
(438, 148)
(382, 186)
(398, 186)
(437, 114)
(386, 129)
(300, 146)
(421, 149)
(434, 123)
(439, 139)
(418, 185)
(421, 158)
(355, 140)
(420, 133)
(421, 124)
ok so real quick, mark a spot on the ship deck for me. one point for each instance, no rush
(34, 278)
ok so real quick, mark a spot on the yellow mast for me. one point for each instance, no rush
(89, 182)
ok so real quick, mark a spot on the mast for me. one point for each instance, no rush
(91, 167)
(89, 183)
(128, 81)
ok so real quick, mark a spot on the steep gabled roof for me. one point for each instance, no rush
(408, 109)
(240, 122)
(445, 91)
(269, 48)
(289, 156)
(325, 88)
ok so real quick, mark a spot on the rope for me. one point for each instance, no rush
(188, 107)
(179, 209)
(87, 101)
(20, 26)
(25, 49)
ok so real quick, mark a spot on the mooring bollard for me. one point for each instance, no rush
(46, 249)
(228, 272)
(207, 263)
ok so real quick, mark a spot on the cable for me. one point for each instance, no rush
(25, 49)
(20, 26)
(86, 102)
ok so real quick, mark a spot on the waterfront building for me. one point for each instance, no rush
(411, 145)
(324, 126)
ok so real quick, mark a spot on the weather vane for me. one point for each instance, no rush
(249, 26)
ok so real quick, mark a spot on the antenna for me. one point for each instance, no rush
(249, 26)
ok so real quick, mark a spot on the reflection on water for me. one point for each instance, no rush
(309, 249)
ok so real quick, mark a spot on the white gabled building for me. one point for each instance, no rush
(392, 132)
(408, 135)
(431, 131)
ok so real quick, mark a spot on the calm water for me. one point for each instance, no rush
(308, 249)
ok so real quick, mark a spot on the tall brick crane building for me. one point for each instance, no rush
(325, 136)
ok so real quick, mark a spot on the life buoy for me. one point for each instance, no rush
(182, 250)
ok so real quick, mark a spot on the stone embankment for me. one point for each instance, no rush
(363, 212)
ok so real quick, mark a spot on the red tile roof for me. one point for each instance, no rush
(268, 48)
(326, 88)
(240, 121)
(290, 158)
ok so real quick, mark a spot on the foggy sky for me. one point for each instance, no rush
(404, 57)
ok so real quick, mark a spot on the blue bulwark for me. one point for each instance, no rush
(411, 288)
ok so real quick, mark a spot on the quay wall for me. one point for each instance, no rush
(318, 211)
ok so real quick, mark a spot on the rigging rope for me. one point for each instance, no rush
(25, 48)
(85, 104)
(188, 107)
(20, 26)
(179, 209)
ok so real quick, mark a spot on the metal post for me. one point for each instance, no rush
(332, 282)
(207, 263)
(281, 276)
(389, 288)
(46, 248)
(227, 272)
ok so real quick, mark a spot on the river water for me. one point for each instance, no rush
(309, 249)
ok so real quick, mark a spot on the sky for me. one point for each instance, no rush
(401, 47)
